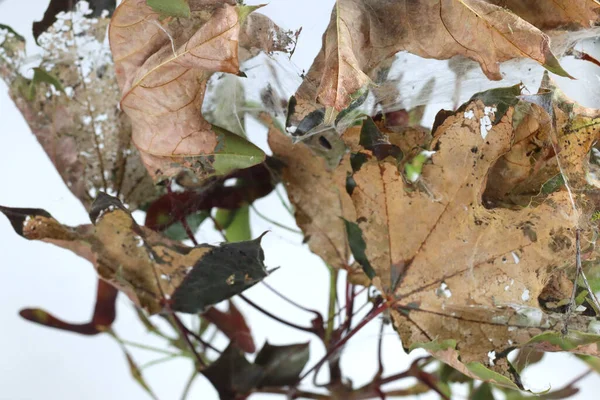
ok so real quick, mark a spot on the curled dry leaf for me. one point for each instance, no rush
(558, 131)
(319, 197)
(259, 33)
(452, 269)
(555, 14)
(81, 129)
(162, 68)
(233, 376)
(363, 34)
(145, 265)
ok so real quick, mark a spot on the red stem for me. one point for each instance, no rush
(374, 312)
(292, 302)
(184, 332)
(276, 318)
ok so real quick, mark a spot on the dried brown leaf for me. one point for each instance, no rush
(451, 269)
(555, 14)
(455, 269)
(363, 34)
(83, 132)
(318, 195)
(148, 267)
(564, 133)
(162, 67)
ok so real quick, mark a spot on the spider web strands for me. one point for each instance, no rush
(545, 100)
(509, 315)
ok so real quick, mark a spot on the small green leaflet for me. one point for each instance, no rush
(415, 166)
(358, 247)
(235, 223)
(11, 30)
(41, 75)
(171, 8)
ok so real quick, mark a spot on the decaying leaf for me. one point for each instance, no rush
(259, 33)
(451, 268)
(363, 34)
(145, 265)
(80, 127)
(446, 259)
(58, 6)
(232, 375)
(555, 14)
(319, 197)
(233, 325)
(162, 68)
(563, 133)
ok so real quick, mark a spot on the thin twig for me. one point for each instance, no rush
(269, 220)
(292, 302)
(188, 385)
(149, 348)
(161, 360)
(276, 318)
(380, 349)
(184, 332)
(200, 340)
(374, 312)
(188, 231)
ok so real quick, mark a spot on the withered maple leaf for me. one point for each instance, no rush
(152, 270)
(556, 14)
(162, 67)
(548, 137)
(319, 197)
(85, 135)
(462, 280)
(363, 34)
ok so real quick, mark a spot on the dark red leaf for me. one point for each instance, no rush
(233, 324)
(103, 317)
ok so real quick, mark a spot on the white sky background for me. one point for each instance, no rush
(41, 363)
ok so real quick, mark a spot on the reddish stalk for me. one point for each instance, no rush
(181, 327)
(200, 340)
(276, 318)
(290, 301)
(378, 309)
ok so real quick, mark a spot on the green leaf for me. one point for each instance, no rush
(568, 342)
(235, 223)
(353, 112)
(501, 98)
(11, 30)
(171, 8)
(591, 361)
(227, 106)
(483, 392)
(553, 184)
(244, 10)
(41, 75)
(486, 374)
(234, 152)
(413, 169)
(434, 346)
(221, 274)
(282, 365)
(554, 66)
(176, 231)
(358, 247)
